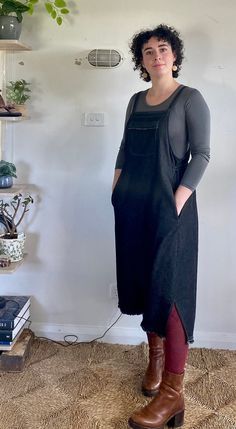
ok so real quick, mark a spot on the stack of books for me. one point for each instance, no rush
(14, 315)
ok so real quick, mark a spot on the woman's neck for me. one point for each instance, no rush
(160, 91)
(161, 87)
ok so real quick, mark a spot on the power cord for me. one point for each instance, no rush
(74, 343)
(68, 343)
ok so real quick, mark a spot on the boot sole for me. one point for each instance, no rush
(175, 421)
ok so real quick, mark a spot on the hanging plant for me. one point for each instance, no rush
(56, 9)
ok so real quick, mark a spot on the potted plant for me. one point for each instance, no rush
(7, 172)
(12, 242)
(11, 14)
(18, 93)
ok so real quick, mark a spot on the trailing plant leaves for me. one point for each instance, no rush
(31, 9)
(49, 7)
(53, 14)
(60, 3)
(54, 8)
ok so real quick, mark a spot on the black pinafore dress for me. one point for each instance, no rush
(156, 250)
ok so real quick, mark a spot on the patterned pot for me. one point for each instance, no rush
(13, 247)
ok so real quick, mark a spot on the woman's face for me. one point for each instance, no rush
(158, 57)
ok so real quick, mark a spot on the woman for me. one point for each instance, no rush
(156, 223)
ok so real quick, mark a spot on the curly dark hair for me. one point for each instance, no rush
(162, 32)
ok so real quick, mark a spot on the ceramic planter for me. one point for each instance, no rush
(10, 27)
(13, 247)
(6, 181)
(22, 109)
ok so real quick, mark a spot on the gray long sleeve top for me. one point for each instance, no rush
(189, 128)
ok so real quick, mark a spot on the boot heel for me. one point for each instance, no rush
(176, 421)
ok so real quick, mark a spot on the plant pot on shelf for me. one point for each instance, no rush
(12, 212)
(7, 172)
(6, 182)
(10, 27)
(22, 109)
(13, 247)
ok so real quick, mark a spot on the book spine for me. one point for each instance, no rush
(5, 336)
(7, 324)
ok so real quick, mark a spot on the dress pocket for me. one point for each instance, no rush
(184, 208)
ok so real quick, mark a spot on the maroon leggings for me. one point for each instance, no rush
(176, 349)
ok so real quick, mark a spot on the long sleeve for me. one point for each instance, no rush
(198, 131)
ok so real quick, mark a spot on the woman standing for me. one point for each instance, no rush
(156, 223)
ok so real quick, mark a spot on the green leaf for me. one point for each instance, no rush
(64, 11)
(49, 7)
(33, 1)
(53, 14)
(59, 20)
(31, 9)
(60, 3)
(19, 16)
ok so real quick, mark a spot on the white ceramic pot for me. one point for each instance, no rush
(13, 247)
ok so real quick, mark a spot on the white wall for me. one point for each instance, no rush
(71, 259)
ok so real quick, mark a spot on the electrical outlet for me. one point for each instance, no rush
(113, 291)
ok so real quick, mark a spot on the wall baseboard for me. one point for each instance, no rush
(125, 335)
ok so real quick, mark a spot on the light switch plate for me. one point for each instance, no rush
(93, 119)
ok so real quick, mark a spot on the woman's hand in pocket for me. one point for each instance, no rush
(182, 194)
(116, 177)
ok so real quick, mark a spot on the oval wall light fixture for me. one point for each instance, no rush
(105, 58)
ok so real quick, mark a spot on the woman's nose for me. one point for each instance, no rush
(157, 56)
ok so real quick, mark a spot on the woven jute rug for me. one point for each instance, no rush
(97, 386)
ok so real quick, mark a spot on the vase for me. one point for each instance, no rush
(10, 27)
(6, 181)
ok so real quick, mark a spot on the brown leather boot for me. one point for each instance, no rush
(152, 377)
(167, 408)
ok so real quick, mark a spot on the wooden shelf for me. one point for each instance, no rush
(8, 192)
(12, 267)
(18, 187)
(14, 118)
(13, 45)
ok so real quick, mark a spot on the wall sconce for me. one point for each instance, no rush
(105, 58)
